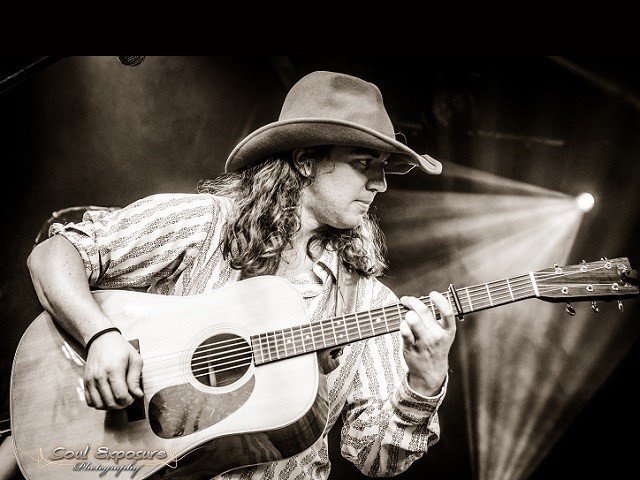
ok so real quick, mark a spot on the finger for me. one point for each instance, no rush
(407, 335)
(423, 312)
(417, 326)
(416, 305)
(96, 399)
(87, 396)
(120, 390)
(447, 318)
(133, 376)
(106, 394)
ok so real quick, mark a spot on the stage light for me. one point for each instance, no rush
(585, 201)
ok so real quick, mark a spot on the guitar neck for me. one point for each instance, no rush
(352, 327)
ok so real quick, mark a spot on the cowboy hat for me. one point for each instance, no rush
(327, 108)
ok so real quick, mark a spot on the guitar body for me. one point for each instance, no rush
(210, 415)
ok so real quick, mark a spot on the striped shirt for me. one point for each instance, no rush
(170, 244)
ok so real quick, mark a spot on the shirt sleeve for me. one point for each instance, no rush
(144, 242)
(387, 425)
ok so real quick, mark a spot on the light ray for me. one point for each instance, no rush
(491, 181)
(527, 368)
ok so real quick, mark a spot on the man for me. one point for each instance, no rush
(294, 203)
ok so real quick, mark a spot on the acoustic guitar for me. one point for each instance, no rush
(230, 378)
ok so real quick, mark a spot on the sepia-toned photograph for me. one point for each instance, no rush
(319, 267)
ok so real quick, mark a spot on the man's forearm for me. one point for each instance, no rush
(60, 282)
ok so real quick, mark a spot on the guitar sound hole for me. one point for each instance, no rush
(221, 360)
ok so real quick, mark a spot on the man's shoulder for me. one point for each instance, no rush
(186, 200)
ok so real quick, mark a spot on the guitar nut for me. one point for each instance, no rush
(565, 290)
(589, 288)
(614, 286)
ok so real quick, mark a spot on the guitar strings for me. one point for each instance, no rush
(196, 373)
(394, 318)
(277, 343)
(223, 345)
(477, 292)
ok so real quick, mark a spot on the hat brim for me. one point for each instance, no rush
(287, 135)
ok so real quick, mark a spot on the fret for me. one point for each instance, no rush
(384, 315)
(358, 325)
(373, 330)
(308, 335)
(469, 298)
(264, 343)
(324, 340)
(261, 347)
(489, 293)
(449, 300)
(344, 324)
(333, 329)
(510, 291)
(284, 343)
(399, 314)
(304, 346)
(293, 338)
(268, 344)
(433, 309)
(254, 348)
(313, 334)
(275, 342)
(271, 352)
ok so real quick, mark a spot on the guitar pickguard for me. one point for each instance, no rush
(181, 410)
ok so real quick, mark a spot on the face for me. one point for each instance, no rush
(344, 186)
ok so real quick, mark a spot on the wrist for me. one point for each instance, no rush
(428, 386)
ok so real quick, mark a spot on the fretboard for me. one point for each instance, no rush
(352, 327)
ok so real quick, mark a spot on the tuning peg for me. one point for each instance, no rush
(631, 277)
(555, 265)
(604, 258)
(583, 261)
(569, 309)
(594, 307)
(620, 307)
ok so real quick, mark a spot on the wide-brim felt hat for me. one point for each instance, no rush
(328, 108)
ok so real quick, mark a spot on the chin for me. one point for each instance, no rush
(348, 223)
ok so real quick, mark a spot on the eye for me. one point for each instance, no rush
(367, 162)
(364, 162)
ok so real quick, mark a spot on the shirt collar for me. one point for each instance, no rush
(327, 265)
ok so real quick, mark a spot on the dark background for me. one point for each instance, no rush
(91, 131)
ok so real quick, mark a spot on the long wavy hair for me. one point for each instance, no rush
(266, 216)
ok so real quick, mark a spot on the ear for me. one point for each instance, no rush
(302, 161)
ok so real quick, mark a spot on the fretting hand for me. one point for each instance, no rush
(427, 342)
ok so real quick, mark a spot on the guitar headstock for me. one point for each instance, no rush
(604, 279)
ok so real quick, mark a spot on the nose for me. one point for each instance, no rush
(376, 180)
